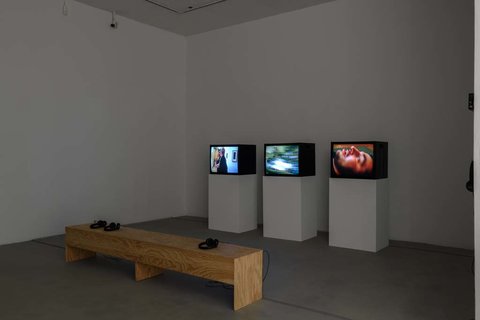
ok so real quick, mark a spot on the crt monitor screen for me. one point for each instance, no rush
(224, 159)
(353, 160)
(282, 160)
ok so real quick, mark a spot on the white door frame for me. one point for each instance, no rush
(476, 157)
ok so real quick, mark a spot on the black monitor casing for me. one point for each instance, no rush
(380, 160)
(306, 159)
(247, 158)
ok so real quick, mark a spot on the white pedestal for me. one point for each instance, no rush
(289, 208)
(358, 214)
(232, 202)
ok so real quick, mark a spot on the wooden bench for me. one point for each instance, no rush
(152, 252)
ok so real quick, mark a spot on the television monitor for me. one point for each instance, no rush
(359, 160)
(233, 159)
(289, 159)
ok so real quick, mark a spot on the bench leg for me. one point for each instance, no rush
(247, 287)
(74, 254)
(144, 271)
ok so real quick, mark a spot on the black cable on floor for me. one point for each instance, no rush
(430, 250)
(216, 284)
(330, 315)
(268, 265)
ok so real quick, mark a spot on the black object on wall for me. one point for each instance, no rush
(469, 184)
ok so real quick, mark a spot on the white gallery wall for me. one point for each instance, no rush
(115, 124)
(396, 71)
(92, 120)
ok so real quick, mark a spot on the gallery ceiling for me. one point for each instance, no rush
(187, 17)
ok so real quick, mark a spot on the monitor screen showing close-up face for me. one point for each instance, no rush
(282, 160)
(353, 160)
(224, 159)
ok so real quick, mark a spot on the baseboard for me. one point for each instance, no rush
(192, 218)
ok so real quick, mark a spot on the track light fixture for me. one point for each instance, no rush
(65, 8)
(114, 23)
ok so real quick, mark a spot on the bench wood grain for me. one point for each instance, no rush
(153, 252)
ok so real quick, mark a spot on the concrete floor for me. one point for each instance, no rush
(307, 280)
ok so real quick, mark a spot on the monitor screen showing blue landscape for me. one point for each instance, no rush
(281, 160)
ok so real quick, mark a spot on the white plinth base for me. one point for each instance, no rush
(358, 214)
(289, 208)
(232, 202)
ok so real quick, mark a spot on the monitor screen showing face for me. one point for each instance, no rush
(224, 160)
(282, 160)
(355, 160)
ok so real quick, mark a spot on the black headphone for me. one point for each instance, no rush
(208, 244)
(103, 224)
(112, 227)
(98, 224)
